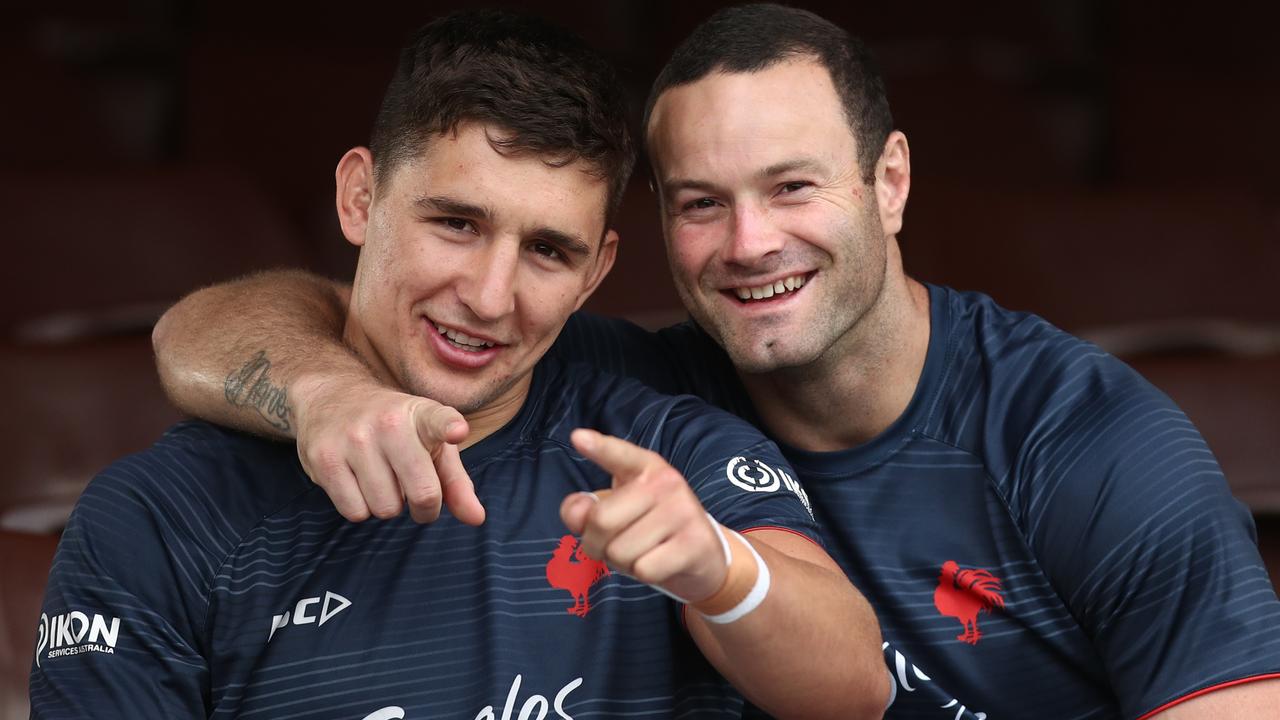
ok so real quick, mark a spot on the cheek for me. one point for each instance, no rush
(689, 248)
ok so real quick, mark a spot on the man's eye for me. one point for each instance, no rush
(794, 186)
(458, 224)
(547, 250)
(700, 204)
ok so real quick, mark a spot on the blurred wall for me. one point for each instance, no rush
(1111, 165)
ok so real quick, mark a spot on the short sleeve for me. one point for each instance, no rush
(118, 632)
(1137, 530)
(741, 477)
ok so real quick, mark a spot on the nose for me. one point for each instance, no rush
(752, 236)
(488, 286)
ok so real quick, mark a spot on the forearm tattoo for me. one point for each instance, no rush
(250, 386)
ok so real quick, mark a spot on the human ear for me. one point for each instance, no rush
(893, 181)
(354, 195)
(603, 264)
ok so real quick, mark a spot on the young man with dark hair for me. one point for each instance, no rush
(208, 577)
(1042, 533)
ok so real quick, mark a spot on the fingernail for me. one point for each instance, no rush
(585, 438)
(453, 427)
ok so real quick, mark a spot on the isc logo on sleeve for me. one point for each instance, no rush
(756, 476)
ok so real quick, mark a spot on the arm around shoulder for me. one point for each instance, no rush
(233, 352)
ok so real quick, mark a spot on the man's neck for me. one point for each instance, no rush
(495, 414)
(861, 386)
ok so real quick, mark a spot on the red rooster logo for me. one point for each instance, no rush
(570, 569)
(962, 594)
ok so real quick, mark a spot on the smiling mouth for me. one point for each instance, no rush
(769, 291)
(461, 340)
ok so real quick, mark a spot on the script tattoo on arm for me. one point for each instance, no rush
(250, 386)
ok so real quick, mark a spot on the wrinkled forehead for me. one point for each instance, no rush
(465, 173)
(756, 118)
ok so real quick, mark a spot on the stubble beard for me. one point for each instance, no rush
(466, 402)
(821, 340)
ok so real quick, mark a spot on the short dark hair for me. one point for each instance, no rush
(751, 38)
(547, 91)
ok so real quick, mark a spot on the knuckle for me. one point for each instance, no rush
(648, 571)
(355, 512)
(668, 478)
(389, 420)
(360, 437)
(428, 495)
(384, 510)
(326, 463)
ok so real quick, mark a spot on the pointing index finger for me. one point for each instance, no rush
(620, 458)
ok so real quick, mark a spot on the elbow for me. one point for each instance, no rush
(860, 695)
(166, 337)
(161, 338)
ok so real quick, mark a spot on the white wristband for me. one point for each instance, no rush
(759, 589)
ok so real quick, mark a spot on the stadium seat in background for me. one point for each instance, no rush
(306, 106)
(1020, 129)
(104, 252)
(1197, 127)
(24, 565)
(71, 409)
(1089, 260)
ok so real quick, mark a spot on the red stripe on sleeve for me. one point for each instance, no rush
(1206, 691)
(797, 533)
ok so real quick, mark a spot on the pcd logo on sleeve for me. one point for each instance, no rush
(75, 633)
(756, 476)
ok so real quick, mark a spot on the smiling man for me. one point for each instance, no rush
(208, 577)
(1042, 533)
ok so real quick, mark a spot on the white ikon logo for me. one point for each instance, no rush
(75, 633)
(303, 612)
(756, 476)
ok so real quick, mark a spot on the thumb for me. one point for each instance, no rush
(438, 424)
(623, 460)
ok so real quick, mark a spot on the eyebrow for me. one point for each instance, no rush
(568, 242)
(450, 206)
(788, 166)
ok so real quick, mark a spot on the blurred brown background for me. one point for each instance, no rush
(1111, 165)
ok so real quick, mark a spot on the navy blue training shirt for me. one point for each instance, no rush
(1042, 533)
(208, 577)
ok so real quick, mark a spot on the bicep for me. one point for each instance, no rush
(793, 545)
(1255, 698)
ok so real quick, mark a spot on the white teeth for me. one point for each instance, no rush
(763, 292)
(460, 338)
